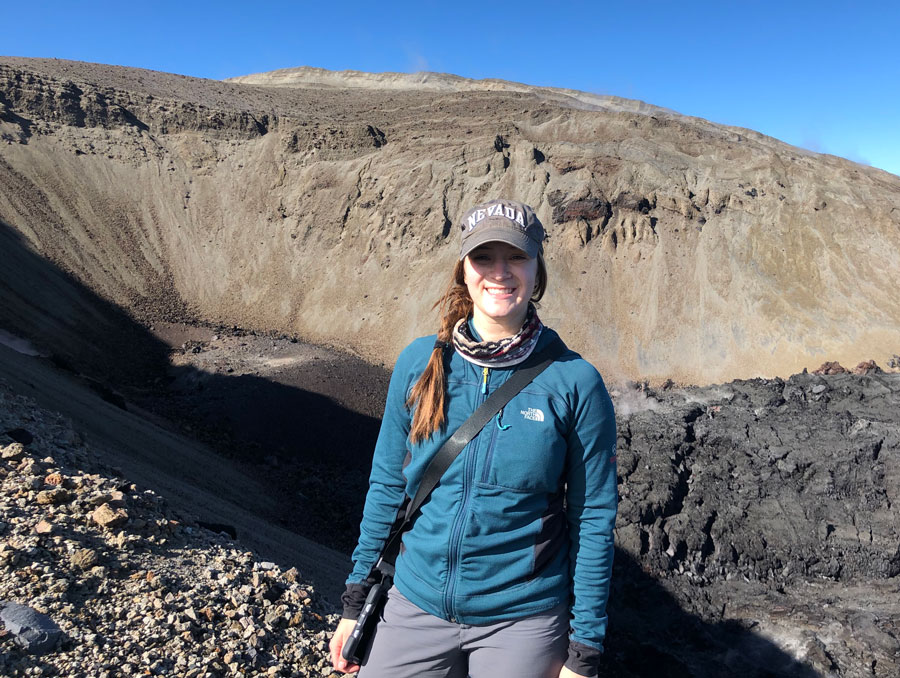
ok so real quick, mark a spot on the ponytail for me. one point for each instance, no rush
(427, 398)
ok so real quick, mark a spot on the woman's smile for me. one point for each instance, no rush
(500, 279)
(500, 291)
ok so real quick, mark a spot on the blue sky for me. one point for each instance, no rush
(821, 75)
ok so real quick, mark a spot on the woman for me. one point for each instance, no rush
(517, 538)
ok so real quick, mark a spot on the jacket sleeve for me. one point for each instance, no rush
(387, 486)
(592, 500)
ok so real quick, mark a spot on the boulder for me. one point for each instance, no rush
(867, 367)
(57, 495)
(13, 452)
(36, 633)
(107, 516)
(830, 368)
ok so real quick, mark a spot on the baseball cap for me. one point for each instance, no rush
(502, 220)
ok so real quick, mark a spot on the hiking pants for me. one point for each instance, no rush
(411, 643)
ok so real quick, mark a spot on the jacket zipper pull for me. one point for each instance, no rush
(484, 371)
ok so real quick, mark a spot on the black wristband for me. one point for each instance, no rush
(353, 600)
(583, 659)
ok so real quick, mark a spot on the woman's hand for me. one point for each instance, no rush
(344, 629)
(568, 673)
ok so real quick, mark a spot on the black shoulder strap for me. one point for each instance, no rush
(450, 450)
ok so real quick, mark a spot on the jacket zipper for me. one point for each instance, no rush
(489, 456)
(456, 532)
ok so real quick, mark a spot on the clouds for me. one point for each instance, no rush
(836, 143)
(417, 62)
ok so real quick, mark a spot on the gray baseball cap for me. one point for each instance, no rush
(501, 220)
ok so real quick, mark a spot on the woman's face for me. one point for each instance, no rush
(500, 279)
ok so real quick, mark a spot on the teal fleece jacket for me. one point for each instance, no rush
(523, 518)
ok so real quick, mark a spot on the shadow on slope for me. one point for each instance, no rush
(321, 449)
(313, 453)
(64, 319)
(652, 635)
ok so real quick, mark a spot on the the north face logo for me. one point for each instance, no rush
(532, 414)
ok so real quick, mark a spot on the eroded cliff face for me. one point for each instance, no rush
(678, 248)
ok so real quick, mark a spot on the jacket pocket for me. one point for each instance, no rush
(527, 448)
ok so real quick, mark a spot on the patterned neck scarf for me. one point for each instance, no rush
(504, 353)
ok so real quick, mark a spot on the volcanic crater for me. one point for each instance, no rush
(212, 279)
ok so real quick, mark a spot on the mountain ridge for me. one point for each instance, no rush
(301, 76)
(678, 248)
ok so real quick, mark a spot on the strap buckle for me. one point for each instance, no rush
(386, 568)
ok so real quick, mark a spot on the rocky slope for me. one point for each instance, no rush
(769, 505)
(678, 248)
(130, 586)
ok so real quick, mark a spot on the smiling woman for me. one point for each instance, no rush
(500, 279)
(516, 538)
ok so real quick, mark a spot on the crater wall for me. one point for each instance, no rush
(677, 248)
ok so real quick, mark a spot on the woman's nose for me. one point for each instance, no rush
(501, 268)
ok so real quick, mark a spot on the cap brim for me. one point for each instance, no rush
(500, 234)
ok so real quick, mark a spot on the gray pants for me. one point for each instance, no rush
(411, 643)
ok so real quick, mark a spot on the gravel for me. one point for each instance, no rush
(133, 587)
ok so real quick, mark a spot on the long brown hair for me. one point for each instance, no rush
(427, 396)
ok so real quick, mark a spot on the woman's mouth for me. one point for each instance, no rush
(500, 291)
